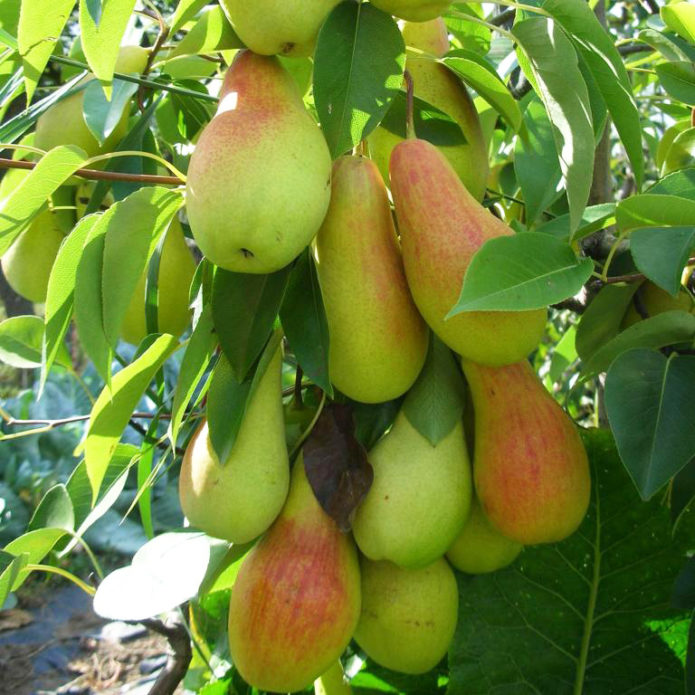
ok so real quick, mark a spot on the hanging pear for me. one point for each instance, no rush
(239, 500)
(442, 226)
(371, 315)
(259, 179)
(285, 27)
(530, 467)
(413, 10)
(296, 599)
(420, 497)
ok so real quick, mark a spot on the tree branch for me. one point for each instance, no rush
(97, 175)
(179, 658)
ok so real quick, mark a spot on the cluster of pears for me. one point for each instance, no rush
(260, 188)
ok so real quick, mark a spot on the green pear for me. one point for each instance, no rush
(332, 682)
(420, 497)
(656, 301)
(480, 547)
(28, 262)
(259, 180)
(439, 86)
(64, 124)
(413, 10)
(239, 500)
(371, 315)
(442, 226)
(285, 27)
(408, 617)
(83, 194)
(530, 467)
(296, 600)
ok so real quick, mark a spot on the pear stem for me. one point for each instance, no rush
(409, 106)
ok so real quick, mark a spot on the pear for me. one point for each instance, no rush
(83, 194)
(332, 682)
(64, 124)
(287, 27)
(259, 179)
(413, 10)
(296, 600)
(437, 85)
(176, 270)
(530, 467)
(408, 616)
(239, 500)
(656, 301)
(480, 548)
(420, 497)
(371, 315)
(442, 226)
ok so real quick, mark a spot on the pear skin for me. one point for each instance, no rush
(420, 497)
(259, 180)
(285, 27)
(656, 301)
(176, 270)
(240, 500)
(481, 548)
(530, 467)
(408, 616)
(413, 10)
(442, 226)
(371, 315)
(296, 600)
(439, 86)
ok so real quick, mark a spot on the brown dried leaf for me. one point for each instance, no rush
(336, 465)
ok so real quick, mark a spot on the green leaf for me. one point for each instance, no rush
(30, 196)
(21, 339)
(680, 17)
(679, 184)
(185, 11)
(303, 318)
(475, 71)
(193, 365)
(662, 43)
(113, 407)
(244, 309)
(678, 79)
(35, 545)
(54, 511)
(10, 567)
(651, 210)
(535, 162)
(588, 615)
(435, 402)
(649, 406)
(602, 319)
(472, 35)
(358, 69)
(133, 230)
(520, 272)
(551, 66)
(661, 253)
(667, 328)
(594, 219)
(681, 153)
(164, 573)
(40, 26)
(564, 355)
(60, 293)
(101, 115)
(101, 34)
(211, 32)
(597, 48)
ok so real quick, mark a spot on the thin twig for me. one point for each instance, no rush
(631, 277)
(638, 48)
(14, 422)
(503, 17)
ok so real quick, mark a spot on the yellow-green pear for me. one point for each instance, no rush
(438, 86)
(413, 10)
(176, 270)
(656, 301)
(408, 617)
(259, 180)
(480, 547)
(420, 497)
(27, 263)
(285, 27)
(239, 500)
(83, 194)
(332, 682)
(371, 315)
(64, 124)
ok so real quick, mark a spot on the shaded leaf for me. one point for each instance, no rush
(54, 511)
(336, 464)
(678, 80)
(594, 219)
(102, 115)
(661, 253)
(652, 210)
(21, 338)
(210, 33)
(34, 545)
